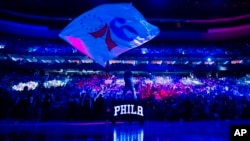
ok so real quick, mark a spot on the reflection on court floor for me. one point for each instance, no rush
(120, 131)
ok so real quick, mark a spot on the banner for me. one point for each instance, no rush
(109, 30)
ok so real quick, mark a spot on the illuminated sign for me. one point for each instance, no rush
(128, 109)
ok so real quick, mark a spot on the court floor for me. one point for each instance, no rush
(121, 131)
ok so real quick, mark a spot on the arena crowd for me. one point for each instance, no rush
(85, 97)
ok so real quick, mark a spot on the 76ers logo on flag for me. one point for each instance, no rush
(100, 29)
(108, 30)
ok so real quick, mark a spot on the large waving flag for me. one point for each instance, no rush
(108, 30)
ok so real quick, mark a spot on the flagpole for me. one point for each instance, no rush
(106, 68)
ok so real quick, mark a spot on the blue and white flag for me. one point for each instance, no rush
(109, 30)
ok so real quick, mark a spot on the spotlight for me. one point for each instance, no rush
(144, 50)
(2, 46)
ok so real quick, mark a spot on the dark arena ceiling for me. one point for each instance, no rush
(177, 19)
(188, 29)
(189, 9)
